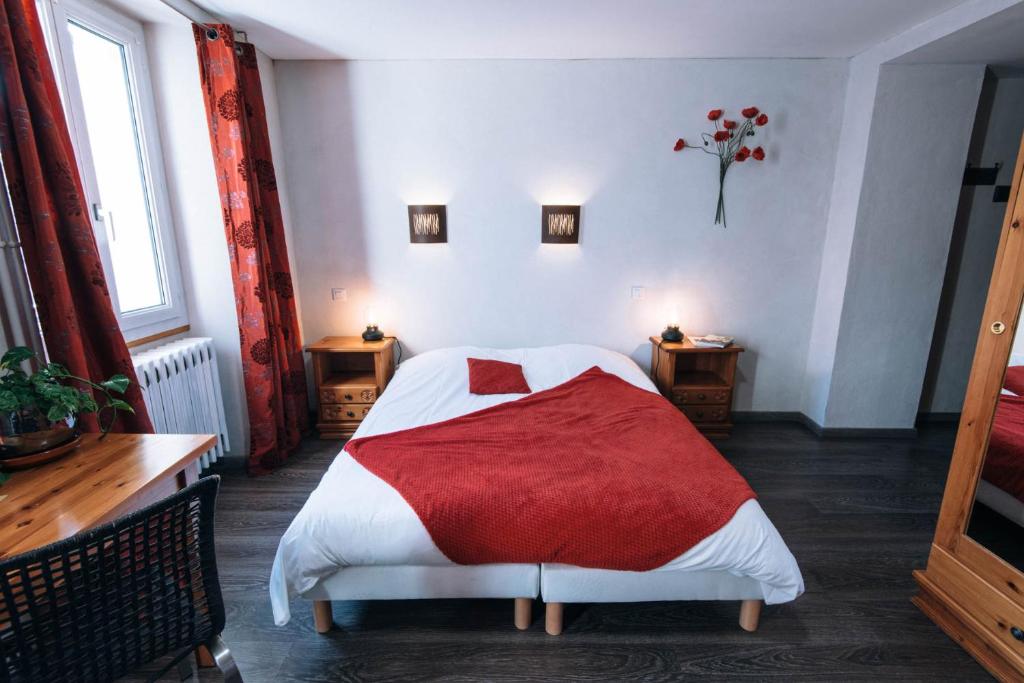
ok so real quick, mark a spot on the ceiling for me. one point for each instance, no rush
(997, 40)
(570, 29)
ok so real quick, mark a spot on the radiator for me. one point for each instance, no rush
(181, 389)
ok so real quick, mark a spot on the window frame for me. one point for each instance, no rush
(107, 22)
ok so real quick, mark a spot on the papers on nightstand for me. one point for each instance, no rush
(711, 341)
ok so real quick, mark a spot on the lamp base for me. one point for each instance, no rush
(372, 333)
(672, 334)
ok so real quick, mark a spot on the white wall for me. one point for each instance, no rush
(996, 139)
(920, 133)
(846, 197)
(1017, 352)
(196, 207)
(842, 222)
(196, 210)
(496, 139)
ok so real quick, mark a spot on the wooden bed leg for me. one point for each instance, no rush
(524, 609)
(553, 618)
(750, 614)
(323, 618)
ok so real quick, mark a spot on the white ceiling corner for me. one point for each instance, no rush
(570, 29)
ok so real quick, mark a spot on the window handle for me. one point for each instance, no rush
(106, 217)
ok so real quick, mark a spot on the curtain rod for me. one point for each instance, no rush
(196, 15)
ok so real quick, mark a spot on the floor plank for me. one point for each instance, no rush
(858, 515)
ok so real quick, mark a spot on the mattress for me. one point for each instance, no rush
(354, 519)
(1004, 461)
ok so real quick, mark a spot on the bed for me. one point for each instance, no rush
(1002, 478)
(356, 537)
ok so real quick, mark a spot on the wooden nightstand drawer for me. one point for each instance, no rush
(348, 393)
(700, 395)
(344, 412)
(706, 413)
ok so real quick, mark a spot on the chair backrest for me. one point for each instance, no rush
(101, 604)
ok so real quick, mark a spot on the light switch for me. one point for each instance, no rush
(339, 294)
(637, 292)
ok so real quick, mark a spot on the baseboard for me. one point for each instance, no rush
(868, 433)
(824, 432)
(767, 416)
(937, 418)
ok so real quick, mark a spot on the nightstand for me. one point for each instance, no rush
(350, 375)
(698, 381)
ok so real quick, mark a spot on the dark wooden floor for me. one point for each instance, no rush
(858, 515)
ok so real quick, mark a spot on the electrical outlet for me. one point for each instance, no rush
(637, 292)
(339, 294)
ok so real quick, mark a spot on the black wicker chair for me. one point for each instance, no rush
(106, 602)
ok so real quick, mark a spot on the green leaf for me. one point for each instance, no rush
(89, 404)
(16, 356)
(117, 384)
(56, 370)
(9, 401)
(118, 404)
(56, 413)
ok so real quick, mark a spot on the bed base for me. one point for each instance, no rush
(555, 584)
(750, 616)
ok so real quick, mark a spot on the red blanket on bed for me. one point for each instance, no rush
(1004, 462)
(594, 472)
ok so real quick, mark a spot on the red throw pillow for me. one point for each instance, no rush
(496, 377)
(1014, 380)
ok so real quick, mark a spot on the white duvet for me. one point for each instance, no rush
(354, 518)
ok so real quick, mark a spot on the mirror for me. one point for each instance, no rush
(997, 516)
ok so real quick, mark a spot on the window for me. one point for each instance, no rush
(100, 61)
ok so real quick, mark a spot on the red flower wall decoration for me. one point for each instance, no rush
(727, 143)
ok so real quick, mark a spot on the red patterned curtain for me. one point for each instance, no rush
(63, 263)
(275, 380)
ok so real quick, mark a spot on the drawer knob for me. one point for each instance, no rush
(350, 414)
(1016, 632)
(700, 413)
(348, 397)
(701, 396)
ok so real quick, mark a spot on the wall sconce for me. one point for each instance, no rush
(428, 224)
(560, 224)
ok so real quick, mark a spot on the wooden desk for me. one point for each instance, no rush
(98, 482)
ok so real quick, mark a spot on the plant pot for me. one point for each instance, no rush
(27, 432)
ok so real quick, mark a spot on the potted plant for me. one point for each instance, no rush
(38, 411)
